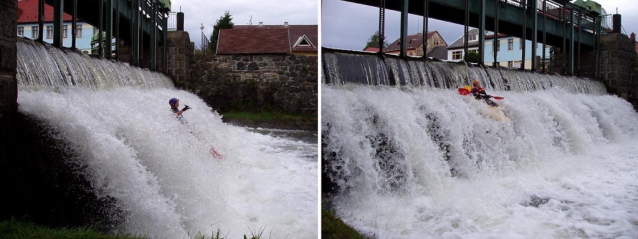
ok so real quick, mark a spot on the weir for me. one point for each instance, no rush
(342, 67)
(103, 149)
(405, 156)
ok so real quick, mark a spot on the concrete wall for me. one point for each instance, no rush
(8, 56)
(180, 57)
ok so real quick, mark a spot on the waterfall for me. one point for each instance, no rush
(116, 123)
(557, 158)
(341, 67)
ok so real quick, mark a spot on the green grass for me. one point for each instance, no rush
(14, 229)
(334, 227)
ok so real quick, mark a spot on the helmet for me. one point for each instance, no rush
(475, 82)
(173, 101)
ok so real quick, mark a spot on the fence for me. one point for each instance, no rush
(172, 21)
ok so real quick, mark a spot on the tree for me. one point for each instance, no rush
(473, 57)
(224, 22)
(373, 41)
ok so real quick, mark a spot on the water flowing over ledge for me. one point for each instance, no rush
(342, 67)
(44, 66)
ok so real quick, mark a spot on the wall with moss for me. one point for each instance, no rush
(262, 82)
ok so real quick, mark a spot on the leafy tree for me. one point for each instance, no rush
(473, 57)
(373, 41)
(224, 22)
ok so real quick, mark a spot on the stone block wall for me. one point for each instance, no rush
(278, 82)
(180, 56)
(618, 69)
(8, 56)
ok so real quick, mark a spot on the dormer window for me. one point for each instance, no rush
(303, 41)
(472, 38)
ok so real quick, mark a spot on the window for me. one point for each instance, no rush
(510, 44)
(78, 31)
(457, 55)
(35, 32)
(65, 30)
(472, 38)
(510, 64)
(49, 32)
(20, 31)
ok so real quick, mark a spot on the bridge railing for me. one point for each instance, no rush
(554, 10)
(172, 21)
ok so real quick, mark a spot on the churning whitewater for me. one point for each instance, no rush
(430, 163)
(162, 174)
(117, 123)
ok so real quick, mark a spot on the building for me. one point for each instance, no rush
(509, 50)
(415, 44)
(28, 26)
(255, 39)
(371, 49)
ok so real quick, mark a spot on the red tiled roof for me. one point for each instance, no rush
(295, 32)
(414, 41)
(28, 12)
(251, 41)
(371, 49)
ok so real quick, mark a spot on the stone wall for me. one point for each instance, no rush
(8, 56)
(619, 66)
(281, 83)
(180, 56)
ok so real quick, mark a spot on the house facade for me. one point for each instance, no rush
(415, 44)
(28, 26)
(509, 48)
(254, 39)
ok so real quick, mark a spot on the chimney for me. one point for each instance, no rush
(285, 23)
(261, 23)
(633, 36)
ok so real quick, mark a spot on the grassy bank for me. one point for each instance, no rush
(271, 119)
(11, 229)
(16, 229)
(333, 227)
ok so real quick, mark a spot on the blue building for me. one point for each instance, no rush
(510, 50)
(28, 26)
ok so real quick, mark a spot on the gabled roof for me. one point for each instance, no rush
(253, 41)
(371, 49)
(438, 52)
(414, 41)
(28, 12)
(296, 33)
(460, 42)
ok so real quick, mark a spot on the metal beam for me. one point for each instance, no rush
(404, 28)
(534, 34)
(571, 42)
(466, 29)
(109, 29)
(481, 36)
(100, 37)
(425, 29)
(496, 23)
(74, 23)
(381, 25)
(154, 36)
(40, 20)
(544, 34)
(524, 39)
(58, 22)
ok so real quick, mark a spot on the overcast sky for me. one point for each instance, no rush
(346, 25)
(196, 12)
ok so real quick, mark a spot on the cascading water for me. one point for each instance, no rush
(426, 162)
(115, 119)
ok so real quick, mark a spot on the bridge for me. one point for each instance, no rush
(559, 23)
(138, 23)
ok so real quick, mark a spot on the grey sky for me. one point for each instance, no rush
(270, 12)
(346, 25)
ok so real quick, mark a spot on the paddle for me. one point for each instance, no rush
(466, 91)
